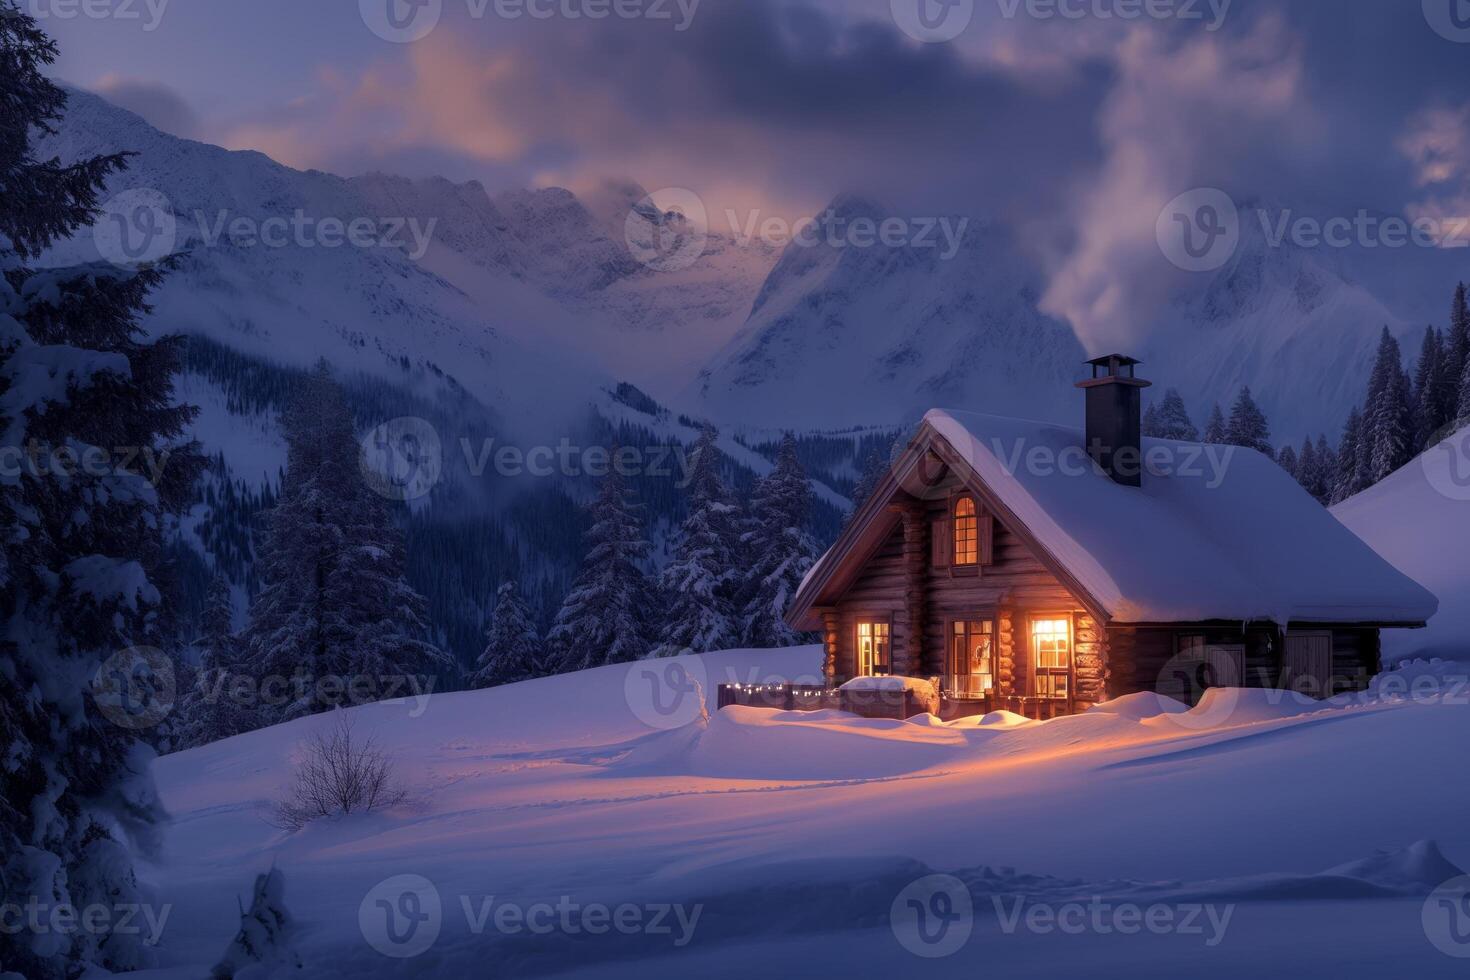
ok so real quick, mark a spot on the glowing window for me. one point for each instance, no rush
(966, 532)
(1051, 658)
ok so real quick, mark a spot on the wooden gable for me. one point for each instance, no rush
(930, 473)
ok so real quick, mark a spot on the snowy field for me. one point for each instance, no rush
(1419, 519)
(561, 828)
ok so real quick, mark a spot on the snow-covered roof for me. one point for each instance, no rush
(1214, 533)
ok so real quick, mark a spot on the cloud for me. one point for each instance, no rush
(1436, 141)
(1203, 112)
(1077, 131)
(160, 106)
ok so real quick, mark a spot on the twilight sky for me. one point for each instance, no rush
(1078, 129)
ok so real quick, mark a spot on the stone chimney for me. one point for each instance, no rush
(1115, 418)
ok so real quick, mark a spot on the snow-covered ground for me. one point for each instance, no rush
(1419, 519)
(1236, 838)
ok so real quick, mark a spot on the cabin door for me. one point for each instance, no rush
(969, 670)
(1307, 662)
(873, 643)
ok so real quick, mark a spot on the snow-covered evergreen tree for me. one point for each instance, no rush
(81, 574)
(1326, 470)
(1388, 417)
(1430, 404)
(604, 619)
(1151, 425)
(779, 550)
(1306, 464)
(1288, 461)
(1314, 469)
(1216, 431)
(1171, 419)
(1462, 419)
(875, 467)
(1351, 475)
(1456, 346)
(208, 710)
(334, 604)
(513, 648)
(1248, 426)
(700, 583)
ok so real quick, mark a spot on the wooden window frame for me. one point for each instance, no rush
(943, 531)
(994, 634)
(972, 520)
(1034, 670)
(857, 643)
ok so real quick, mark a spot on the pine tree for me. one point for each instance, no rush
(1288, 461)
(1387, 415)
(1351, 475)
(1315, 469)
(1463, 418)
(1307, 471)
(604, 619)
(1457, 356)
(780, 550)
(1216, 432)
(875, 467)
(210, 711)
(82, 578)
(334, 606)
(1151, 424)
(700, 582)
(1326, 470)
(1248, 427)
(1429, 401)
(1172, 420)
(513, 651)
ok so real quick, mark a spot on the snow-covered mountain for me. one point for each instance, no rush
(842, 334)
(877, 335)
(1298, 325)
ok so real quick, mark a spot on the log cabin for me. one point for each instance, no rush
(1046, 569)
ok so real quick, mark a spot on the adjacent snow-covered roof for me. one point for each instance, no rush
(1215, 532)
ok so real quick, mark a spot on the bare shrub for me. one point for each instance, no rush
(340, 774)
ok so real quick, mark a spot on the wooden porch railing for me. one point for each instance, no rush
(879, 704)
